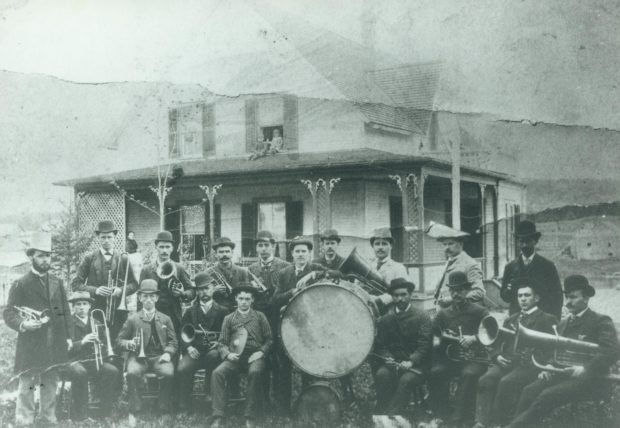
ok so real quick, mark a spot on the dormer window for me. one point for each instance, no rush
(191, 131)
(271, 124)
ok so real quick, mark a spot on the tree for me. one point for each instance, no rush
(69, 243)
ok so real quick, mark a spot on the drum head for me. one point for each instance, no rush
(318, 406)
(327, 330)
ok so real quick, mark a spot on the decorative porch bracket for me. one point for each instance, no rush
(321, 191)
(211, 192)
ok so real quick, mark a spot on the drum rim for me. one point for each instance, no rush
(321, 384)
(331, 284)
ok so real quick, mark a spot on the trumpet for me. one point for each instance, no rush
(168, 272)
(190, 334)
(109, 307)
(95, 327)
(256, 282)
(29, 314)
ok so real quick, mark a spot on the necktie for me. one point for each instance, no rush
(379, 264)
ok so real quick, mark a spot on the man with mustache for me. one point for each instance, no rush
(204, 315)
(234, 275)
(99, 266)
(291, 280)
(169, 300)
(382, 242)
(537, 268)
(330, 259)
(457, 261)
(404, 342)
(500, 387)
(42, 342)
(459, 320)
(579, 382)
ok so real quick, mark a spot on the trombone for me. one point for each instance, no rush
(95, 327)
(29, 314)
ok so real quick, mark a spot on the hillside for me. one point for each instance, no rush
(545, 194)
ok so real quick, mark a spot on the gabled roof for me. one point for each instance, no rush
(364, 159)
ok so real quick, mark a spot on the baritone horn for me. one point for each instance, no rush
(168, 272)
(454, 351)
(359, 268)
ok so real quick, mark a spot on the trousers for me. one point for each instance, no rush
(186, 368)
(46, 384)
(226, 373)
(137, 368)
(394, 388)
(108, 379)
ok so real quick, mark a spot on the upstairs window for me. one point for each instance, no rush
(271, 124)
(192, 131)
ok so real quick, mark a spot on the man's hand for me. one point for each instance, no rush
(132, 345)
(577, 371)
(255, 356)
(220, 289)
(103, 291)
(117, 292)
(385, 298)
(406, 364)
(444, 301)
(165, 358)
(546, 376)
(193, 352)
(304, 281)
(503, 362)
(232, 356)
(31, 325)
(89, 338)
(467, 340)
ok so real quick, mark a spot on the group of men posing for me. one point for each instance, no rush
(246, 313)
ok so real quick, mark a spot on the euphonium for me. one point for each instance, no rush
(168, 272)
(455, 352)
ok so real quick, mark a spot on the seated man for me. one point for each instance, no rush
(460, 320)
(151, 333)
(499, 389)
(403, 347)
(579, 382)
(82, 352)
(205, 315)
(245, 343)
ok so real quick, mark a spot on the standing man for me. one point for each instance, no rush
(169, 297)
(579, 382)
(41, 341)
(205, 315)
(82, 352)
(459, 320)
(457, 261)
(537, 268)
(265, 269)
(233, 275)
(330, 259)
(246, 341)
(404, 343)
(101, 266)
(499, 389)
(153, 332)
(290, 281)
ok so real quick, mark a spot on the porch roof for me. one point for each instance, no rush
(283, 162)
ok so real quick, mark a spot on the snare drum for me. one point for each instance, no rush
(327, 330)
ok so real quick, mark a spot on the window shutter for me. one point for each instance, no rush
(172, 222)
(251, 107)
(248, 229)
(173, 142)
(294, 222)
(291, 128)
(208, 129)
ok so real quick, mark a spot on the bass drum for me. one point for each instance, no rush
(318, 406)
(327, 330)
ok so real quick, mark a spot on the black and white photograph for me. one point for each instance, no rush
(310, 213)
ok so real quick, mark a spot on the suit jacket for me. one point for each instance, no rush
(235, 276)
(167, 303)
(467, 317)
(257, 326)
(211, 321)
(90, 275)
(287, 281)
(463, 263)
(596, 328)
(79, 351)
(544, 274)
(268, 278)
(163, 326)
(390, 270)
(406, 335)
(537, 320)
(47, 345)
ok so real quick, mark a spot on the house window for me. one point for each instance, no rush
(272, 138)
(186, 131)
(192, 232)
(272, 217)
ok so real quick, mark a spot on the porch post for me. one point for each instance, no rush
(483, 229)
(328, 201)
(315, 188)
(455, 151)
(211, 193)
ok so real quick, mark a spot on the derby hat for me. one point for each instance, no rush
(164, 236)
(527, 229)
(41, 241)
(578, 282)
(458, 279)
(80, 295)
(148, 286)
(441, 231)
(106, 226)
(203, 280)
(266, 236)
(223, 242)
(331, 235)
(381, 233)
(300, 240)
(399, 283)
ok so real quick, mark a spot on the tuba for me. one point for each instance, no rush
(359, 268)
(167, 271)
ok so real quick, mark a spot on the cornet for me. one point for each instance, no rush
(190, 334)
(256, 282)
(168, 272)
(138, 341)
(29, 314)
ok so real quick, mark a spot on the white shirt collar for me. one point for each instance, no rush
(530, 311)
(243, 313)
(104, 251)
(83, 319)
(266, 262)
(37, 273)
(206, 306)
(149, 315)
(398, 311)
(300, 269)
(528, 260)
(580, 314)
